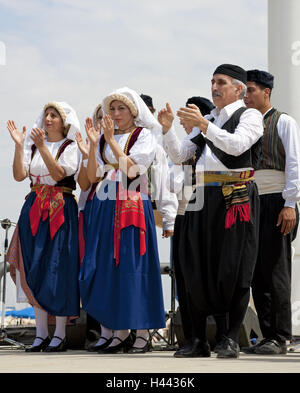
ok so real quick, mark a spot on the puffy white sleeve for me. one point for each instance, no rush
(69, 159)
(175, 178)
(143, 150)
(166, 201)
(179, 151)
(248, 131)
(101, 165)
(79, 159)
(289, 133)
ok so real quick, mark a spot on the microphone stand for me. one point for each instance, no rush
(6, 224)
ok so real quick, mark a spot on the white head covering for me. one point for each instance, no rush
(141, 113)
(68, 116)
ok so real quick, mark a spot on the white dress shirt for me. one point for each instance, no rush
(247, 132)
(271, 181)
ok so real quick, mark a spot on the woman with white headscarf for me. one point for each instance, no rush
(120, 281)
(44, 248)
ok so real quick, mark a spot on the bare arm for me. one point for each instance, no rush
(83, 179)
(18, 137)
(94, 136)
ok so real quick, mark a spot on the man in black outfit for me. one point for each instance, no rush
(219, 242)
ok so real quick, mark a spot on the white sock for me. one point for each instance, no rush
(105, 334)
(60, 331)
(140, 343)
(121, 334)
(41, 321)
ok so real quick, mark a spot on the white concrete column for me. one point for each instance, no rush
(284, 64)
(284, 60)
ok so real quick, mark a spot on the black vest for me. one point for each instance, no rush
(231, 162)
(268, 152)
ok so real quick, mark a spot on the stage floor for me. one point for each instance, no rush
(13, 360)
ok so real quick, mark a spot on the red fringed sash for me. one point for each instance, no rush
(129, 211)
(235, 193)
(49, 201)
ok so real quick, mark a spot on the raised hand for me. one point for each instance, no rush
(166, 118)
(108, 128)
(38, 136)
(190, 115)
(83, 147)
(17, 136)
(93, 135)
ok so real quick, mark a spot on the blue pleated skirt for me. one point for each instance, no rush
(52, 265)
(127, 296)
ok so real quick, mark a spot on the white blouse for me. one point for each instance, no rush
(142, 153)
(166, 201)
(69, 160)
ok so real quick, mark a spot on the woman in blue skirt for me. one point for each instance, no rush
(120, 282)
(47, 229)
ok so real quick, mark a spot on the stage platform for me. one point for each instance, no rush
(13, 360)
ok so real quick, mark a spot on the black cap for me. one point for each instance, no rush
(205, 105)
(147, 99)
(263, 78)
(232, 70)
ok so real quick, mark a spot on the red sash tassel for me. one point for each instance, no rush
(129, 211)
(49, 202)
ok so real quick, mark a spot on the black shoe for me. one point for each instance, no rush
(146, 348)
(271, 347)
(195, 349)
(41, 347)
(96, 348)
(252, 349)
(61, 347)
(123, 347)
(221, 343)
(230, 349)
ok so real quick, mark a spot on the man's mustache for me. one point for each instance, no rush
(216, 94)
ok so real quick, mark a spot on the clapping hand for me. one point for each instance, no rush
(83, 147)
(17, 136)
(166, 118)
(108, 128)
(190, 115)
(38, 136)
(93, 135)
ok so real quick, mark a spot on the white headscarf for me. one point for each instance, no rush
(68, 116)
(142, 115)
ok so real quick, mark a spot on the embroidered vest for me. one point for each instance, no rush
(269, 151)
(230, 161)
(68, 181)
